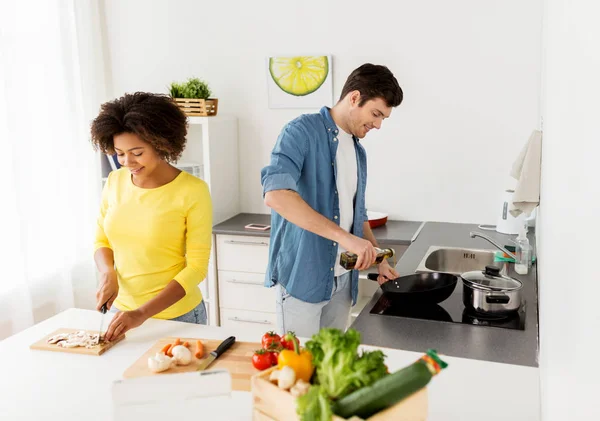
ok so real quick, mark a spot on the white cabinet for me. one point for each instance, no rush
(211, 153)
(241, 267)
(251, 321)
(245, 290)
(243, 253)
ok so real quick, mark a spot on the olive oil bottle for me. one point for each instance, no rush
(348, 260)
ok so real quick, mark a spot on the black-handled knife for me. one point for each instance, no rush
(103, 310)
(223, 346)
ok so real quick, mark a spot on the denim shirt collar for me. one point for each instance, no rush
(330, 124)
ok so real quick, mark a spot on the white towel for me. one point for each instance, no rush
(526, 170)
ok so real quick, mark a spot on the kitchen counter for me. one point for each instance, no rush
(42, 385)
(483, 343)
(393, 232)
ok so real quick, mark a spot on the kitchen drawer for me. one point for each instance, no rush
(245, 291)
(254, 322)
(242, 253)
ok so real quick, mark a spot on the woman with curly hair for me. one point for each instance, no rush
(154, 230)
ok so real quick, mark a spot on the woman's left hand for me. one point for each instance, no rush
(386, 272)
(122, 322)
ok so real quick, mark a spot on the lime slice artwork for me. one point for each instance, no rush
(300, 75)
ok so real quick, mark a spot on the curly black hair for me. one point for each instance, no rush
(155, 118)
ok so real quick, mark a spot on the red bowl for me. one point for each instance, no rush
(376, 219)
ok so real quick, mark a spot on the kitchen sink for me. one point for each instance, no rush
(456, 260)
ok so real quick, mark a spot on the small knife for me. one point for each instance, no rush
(103, 310)
(223, 346)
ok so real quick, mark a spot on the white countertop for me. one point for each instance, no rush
(37, 385)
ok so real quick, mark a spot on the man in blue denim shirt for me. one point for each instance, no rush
(315, 186)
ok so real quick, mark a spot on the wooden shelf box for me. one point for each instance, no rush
(198, 107)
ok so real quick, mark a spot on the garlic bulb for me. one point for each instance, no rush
(287, 377)
(160, 362)
(182, 355)
(300, 388)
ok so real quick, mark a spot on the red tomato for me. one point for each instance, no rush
(274, 357)
(270, 340)
(261, 360)
(287, 341)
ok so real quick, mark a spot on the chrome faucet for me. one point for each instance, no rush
(474, 234)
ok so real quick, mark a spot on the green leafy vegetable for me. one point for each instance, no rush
(339, 368)
(314, 405)
(369, 368)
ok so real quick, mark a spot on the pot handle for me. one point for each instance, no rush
(497, 299)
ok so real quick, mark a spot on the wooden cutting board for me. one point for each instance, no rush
(237, 359)
(43, 344)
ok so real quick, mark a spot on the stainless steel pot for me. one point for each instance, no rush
(490, 292)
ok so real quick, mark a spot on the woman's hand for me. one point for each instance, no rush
(386, 272)
(122, 322)
(108, 289)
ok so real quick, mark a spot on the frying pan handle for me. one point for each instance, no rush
(372, 276)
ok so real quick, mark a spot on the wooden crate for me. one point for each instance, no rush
(198, 107)
(271, 403)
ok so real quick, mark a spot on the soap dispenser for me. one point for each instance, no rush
(523, 252)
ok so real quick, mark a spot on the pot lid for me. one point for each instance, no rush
(491, 279)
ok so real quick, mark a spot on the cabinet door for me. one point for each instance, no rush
(245, 291)
(242, 253)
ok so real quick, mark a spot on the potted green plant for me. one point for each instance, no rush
(193, 97)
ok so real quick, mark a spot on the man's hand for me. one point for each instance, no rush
(364, 249)
(108, 289)
(386, 272)
(122, 322)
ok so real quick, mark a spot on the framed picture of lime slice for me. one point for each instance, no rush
(299, 81)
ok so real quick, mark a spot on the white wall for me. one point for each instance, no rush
(568, 230)
(470, 71)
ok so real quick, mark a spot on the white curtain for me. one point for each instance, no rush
(51, 85)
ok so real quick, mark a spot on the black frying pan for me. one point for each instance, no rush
(419, 288)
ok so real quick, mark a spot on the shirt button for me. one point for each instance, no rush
(330, 268)
(332, 164)
(335, 244)
(335, 139)
(335, 217)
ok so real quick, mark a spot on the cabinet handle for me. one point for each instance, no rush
(262, 322)
(247, 243)
(235, 281)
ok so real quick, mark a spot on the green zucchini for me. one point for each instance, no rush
(388, 390)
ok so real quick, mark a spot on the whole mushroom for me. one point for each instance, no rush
(182, 355)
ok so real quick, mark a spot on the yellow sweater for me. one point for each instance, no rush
(156, 235)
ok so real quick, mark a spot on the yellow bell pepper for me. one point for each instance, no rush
(298, 360)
